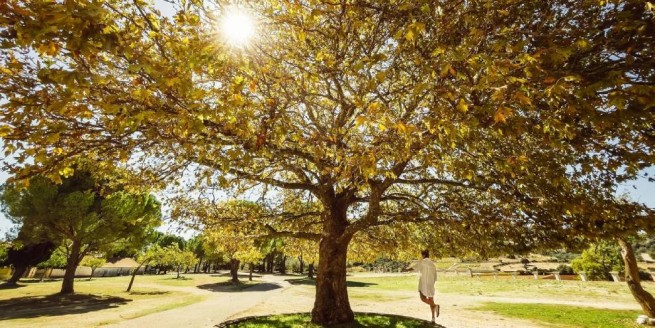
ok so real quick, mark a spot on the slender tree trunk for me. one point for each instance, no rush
(283, 265)
(18, 273)
(93, 270)
(310, 271)
(71, 265)
(178, 271)
(252, 268)
(644, 298)
(129, 287)
(234, 270)
(45, 270)
(302, 264)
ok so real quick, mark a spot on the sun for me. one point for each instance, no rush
(238, 27)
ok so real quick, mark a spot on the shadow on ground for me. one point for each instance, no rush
(312, 282)
(56, 305)
(12, 286)
(150, 293)
(240, 275)
(230, 287)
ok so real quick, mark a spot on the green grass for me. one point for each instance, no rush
(564, 316)
(303, 320)
(96, 302)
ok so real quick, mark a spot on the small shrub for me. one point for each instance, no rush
(645, 276)
(565, 269)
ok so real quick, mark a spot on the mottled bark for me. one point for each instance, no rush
(331, 306)
(644, 298)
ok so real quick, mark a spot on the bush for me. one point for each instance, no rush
(598, 260)
(565, 269)
(645, 276)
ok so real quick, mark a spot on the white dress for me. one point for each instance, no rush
(428, 272)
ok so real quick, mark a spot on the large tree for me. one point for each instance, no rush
(491, 123)
(80, 213)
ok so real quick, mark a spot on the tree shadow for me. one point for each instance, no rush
(312, 282)
(56, 305)
(150, 293)
(36, 281)
(229, 287)
(240, 275)
(10, 286)
(180, 278)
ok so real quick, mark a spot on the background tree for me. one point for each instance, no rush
(82, 214)
(22, 257)
(195, 245)
(177, 258)
(93, 262)
(153, 255)
(4, 248)
(472, 120)
(56, 261)
(599, 260)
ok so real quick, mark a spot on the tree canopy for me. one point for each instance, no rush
(81, 214)
(487, 124)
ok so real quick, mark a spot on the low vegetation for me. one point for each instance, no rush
(556, 315)
(303, 321)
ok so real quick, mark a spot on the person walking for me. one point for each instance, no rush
(428, 272)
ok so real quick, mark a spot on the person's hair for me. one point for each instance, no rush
(425, 253)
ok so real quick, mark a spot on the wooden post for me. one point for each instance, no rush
(615, 276)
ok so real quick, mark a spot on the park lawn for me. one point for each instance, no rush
(303, 321)
(528, 288)
(562, 316)
(96, 302)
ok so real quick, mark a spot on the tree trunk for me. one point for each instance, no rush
(93, 270)
(283, 265)
(178, 272)
(18, 273)
(72, 262)
(252, 268)
(302, 264)
(331, 305)
(644, 298)
(45, 271)
(129, 287)
(234, 270)
(310, 271)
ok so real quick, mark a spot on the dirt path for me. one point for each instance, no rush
(217, 307)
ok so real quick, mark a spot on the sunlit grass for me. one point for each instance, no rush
(303, 321)
(553, 315)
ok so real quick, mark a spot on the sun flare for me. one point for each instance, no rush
(238, 27)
